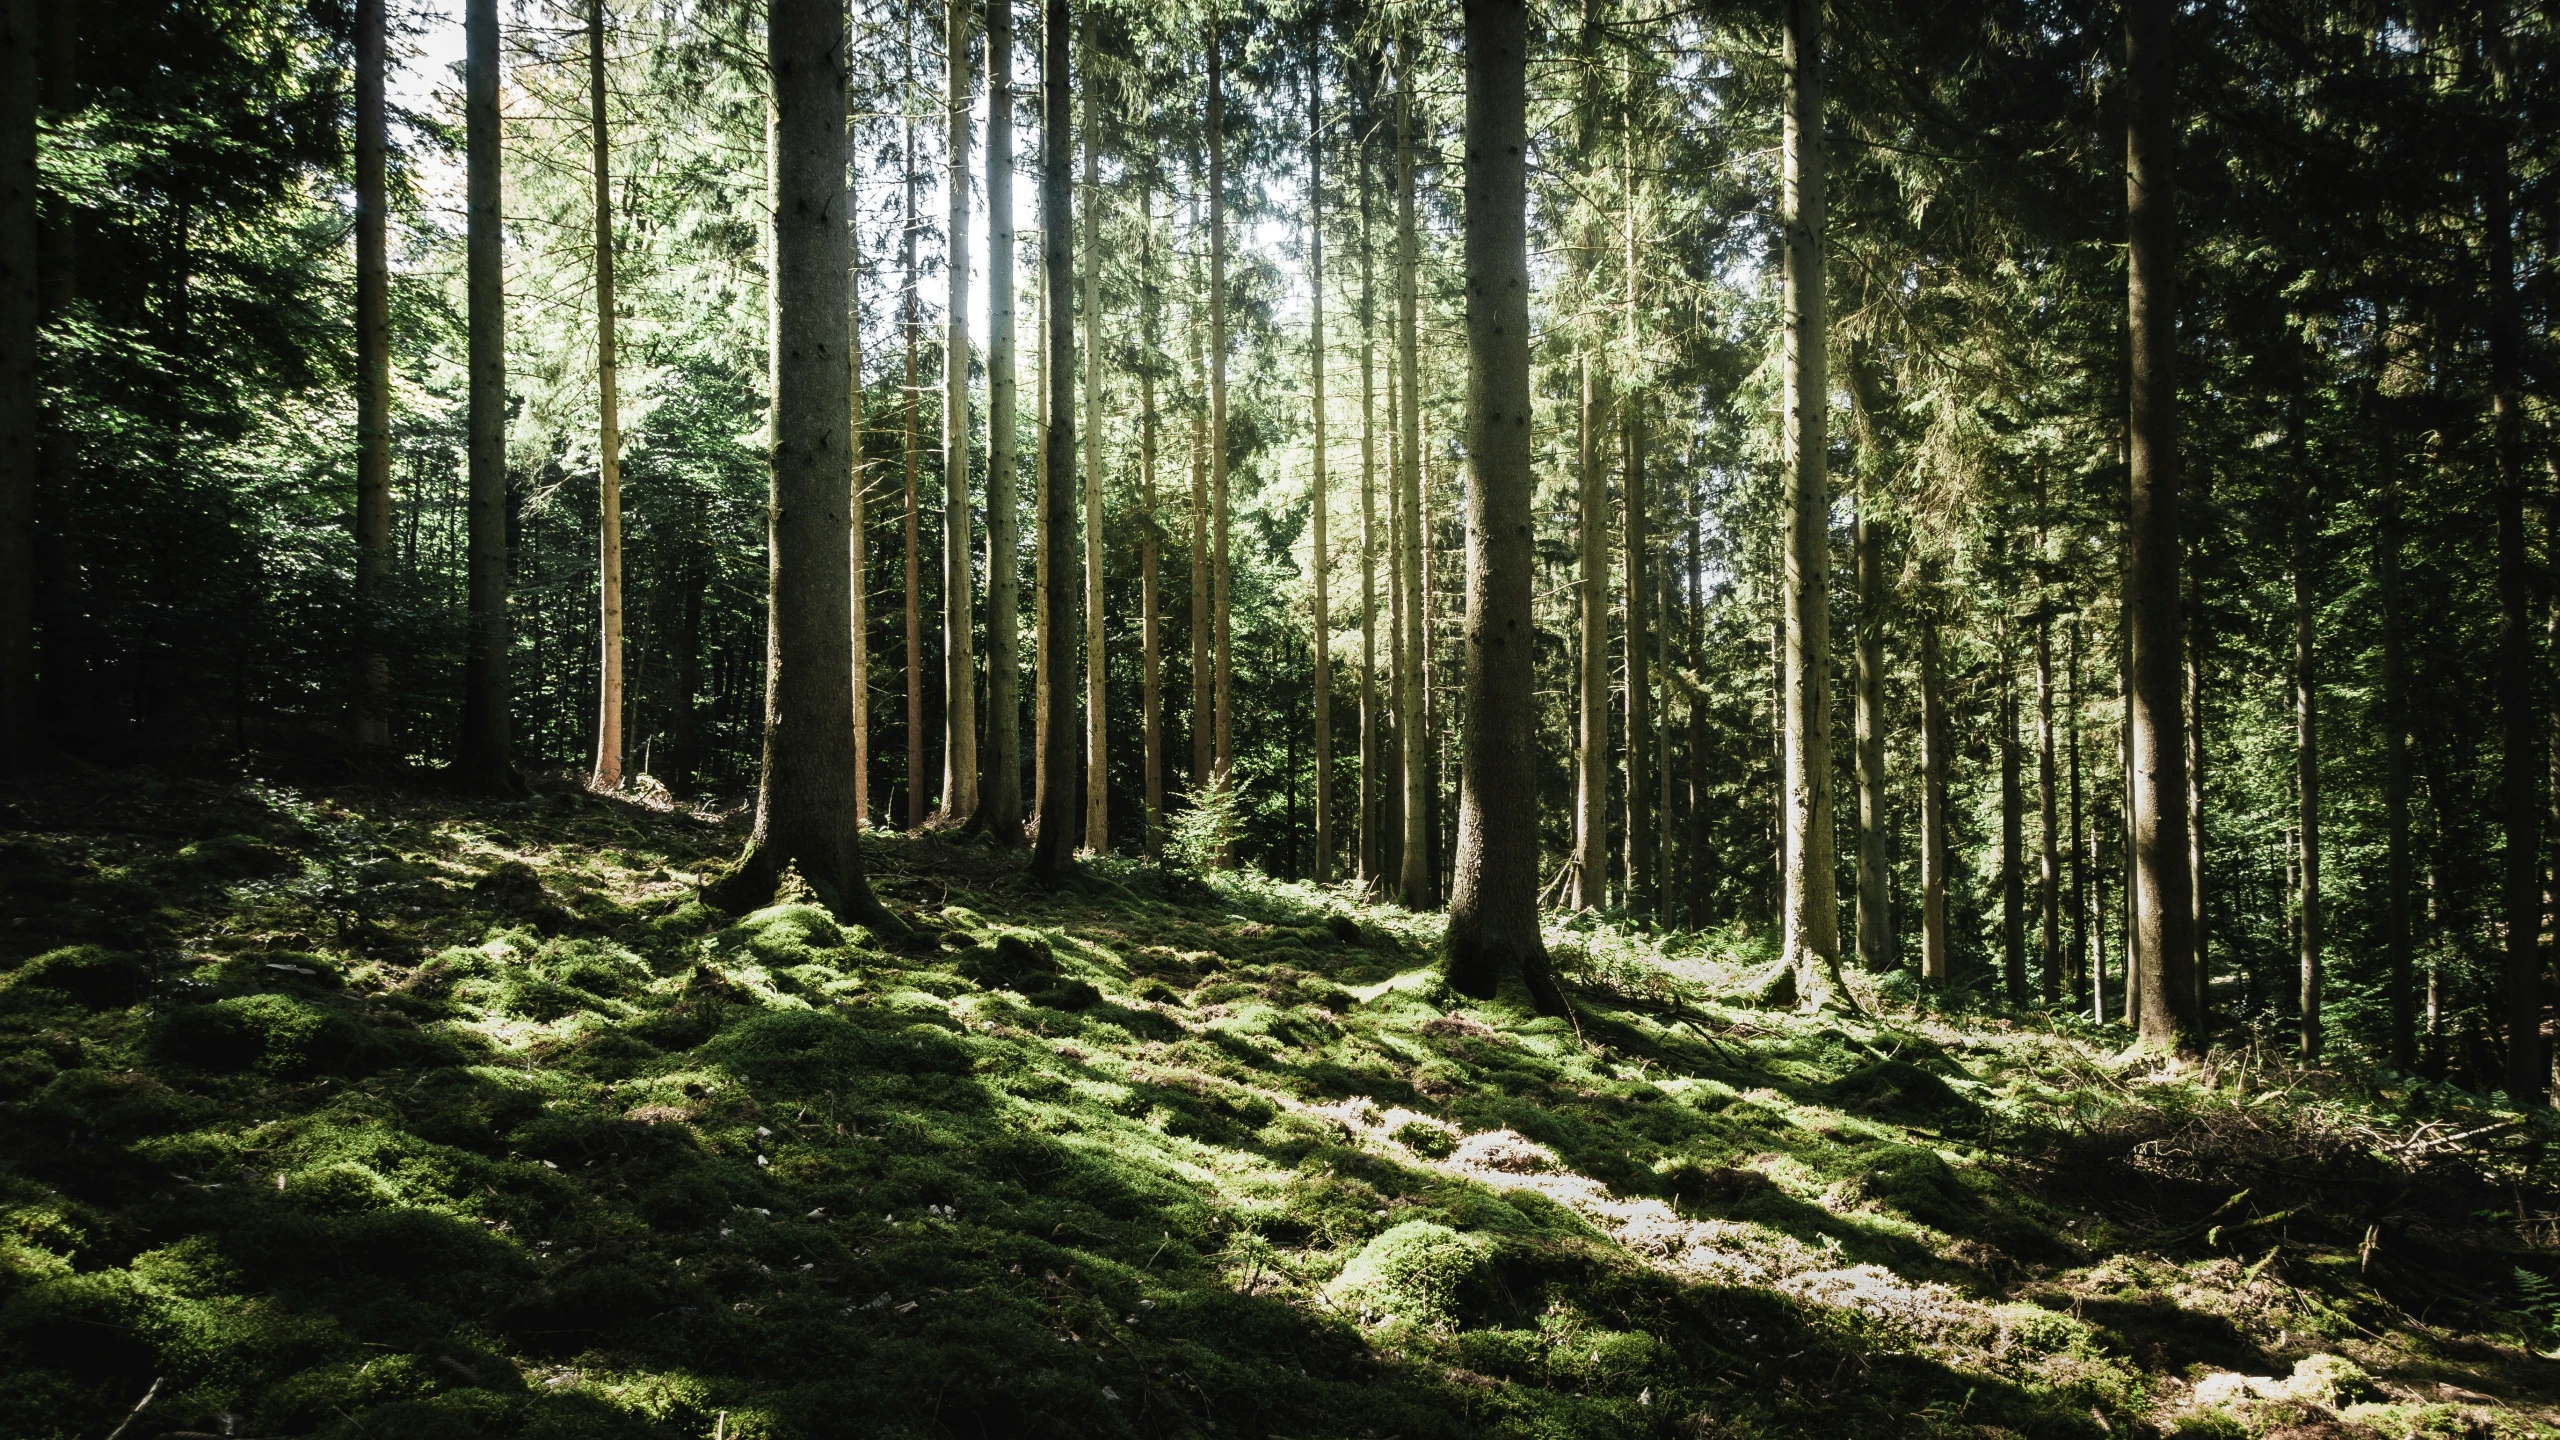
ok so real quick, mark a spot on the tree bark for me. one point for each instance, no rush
(857, 484)
(2528, 1069)
(2164, 945)
(1223, 632)
(1151, 528)
(2049, 817)
(1097, 672)
(1321, 500)
(1053, 851)
(484, 760)
(1875, 826)
(608, 771)
(2013, 899)
(1936, 956)
(1372, 722)
(1591, 758)
(1493, 908)
(1810, 924)
(1043, 639)
(1000, 788)
(2306, 695)
(1204, 688)
(22, 740)
(914, 322)
(804, 801)
(1415, 761)
(372, 708)
(1640, 899)
(2077, 963)
(2197, 636)
(2395, 778)
(959, 663)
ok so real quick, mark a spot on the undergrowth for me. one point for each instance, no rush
(362, 1112)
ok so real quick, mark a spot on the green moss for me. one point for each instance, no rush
(1418, 1271)
(271, 1034)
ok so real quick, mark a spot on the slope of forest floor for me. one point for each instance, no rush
(364, 1111)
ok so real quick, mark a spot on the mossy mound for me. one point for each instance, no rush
(1420, 1272)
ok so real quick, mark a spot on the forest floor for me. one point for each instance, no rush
(364, 1111)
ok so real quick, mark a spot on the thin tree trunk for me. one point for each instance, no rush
(484, 760)
(1097, 715)
(1221, 601)
(1397, 609)
(1811, 924)
(1053, 852)
(1700, 860)
(804, 800)
(2130, 889)
(608, 772)
(1204, 726)
(1000, 788)
(1493, 906)
(857, 485)
(2306, 694)
(1372, 722)
(1591, 757)
(1936, 956)
(1043, 637)
(959, 663)
(912, 324)
(372, 710)
(1321, 501)
(1150, 529)
(2013, 898)
(1638, 642)
(684, 745)
(2197, 637)
(1875, 914)
(2049, 800)
(2077, 963)
(2164, 943)
(2395, 777)
(1415, 763)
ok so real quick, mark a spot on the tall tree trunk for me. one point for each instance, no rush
(1591, 752)
(22, 739)
(684, 744)
(1097, 672)
(913, 323)
(804, 800)
(1415, 762)
(1151, 528)
(857, 481)
(2129, 839)
(959, 663)
(67, 696)
(2197, 637)
(1223, 632)
(1397, 609)
(1810, 924)
(1701, 860)
(2049, 841)
(608, 772)
(2013, 897)
(1321, 501)
(484, 761)
(2076, 965)
(372, 708)
(1493, 907)
(1639, 644)
(2395, 777)
(1000, 788)
(1936, 957)
(1372, 722)
(2528, 1068)
(2306, 695)
(1204, 725)
(1043, 636)
(1875, 824)
(1053, 852)
(2163, 945)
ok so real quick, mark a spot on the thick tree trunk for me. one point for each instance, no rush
(1053, 852)
(804, 801)
(1591, 757)
(2164, 945)
(1936, 958)
(2306, 696)
(1321, 500)
(1875, 825)
(959, 662)
(2528, 1068)
(1150, 529)
(608, 771)
(1372, 722)
(1223, 631)
(2049, 817)
(1000, 786)
(1043, 637)
(1493, 907)
(372, 709)
(484, 760)
(22, 739)
(1810, 922)
(1097, 672)
(857, 485)
(913, 322)
(1415, 761)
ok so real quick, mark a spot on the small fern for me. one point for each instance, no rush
(2538, 1306)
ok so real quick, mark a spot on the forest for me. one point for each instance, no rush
(1396, 717)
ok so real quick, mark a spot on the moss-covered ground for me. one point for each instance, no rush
(360, 1111)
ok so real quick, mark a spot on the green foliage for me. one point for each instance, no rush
(1419, 1271)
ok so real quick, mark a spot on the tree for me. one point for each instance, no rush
(372, 709)
(1221, 602)
(909, 329)
(2528, 1067)
(2306, 699)
(1937, 954)
(805, 820)
(2157, 742)
(1876, 950)
(1054, 847)
(1493, 906)
(1372, 717)
(1591, 751)
(1414, 763)
(1097, 669)
(484, 759)
(1000, 789)
(1808, 923)
(1151, 528)
(21, 730)
(608, 769)
(1320, 553)
(959, 665)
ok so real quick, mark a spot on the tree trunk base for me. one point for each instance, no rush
(752, 883)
